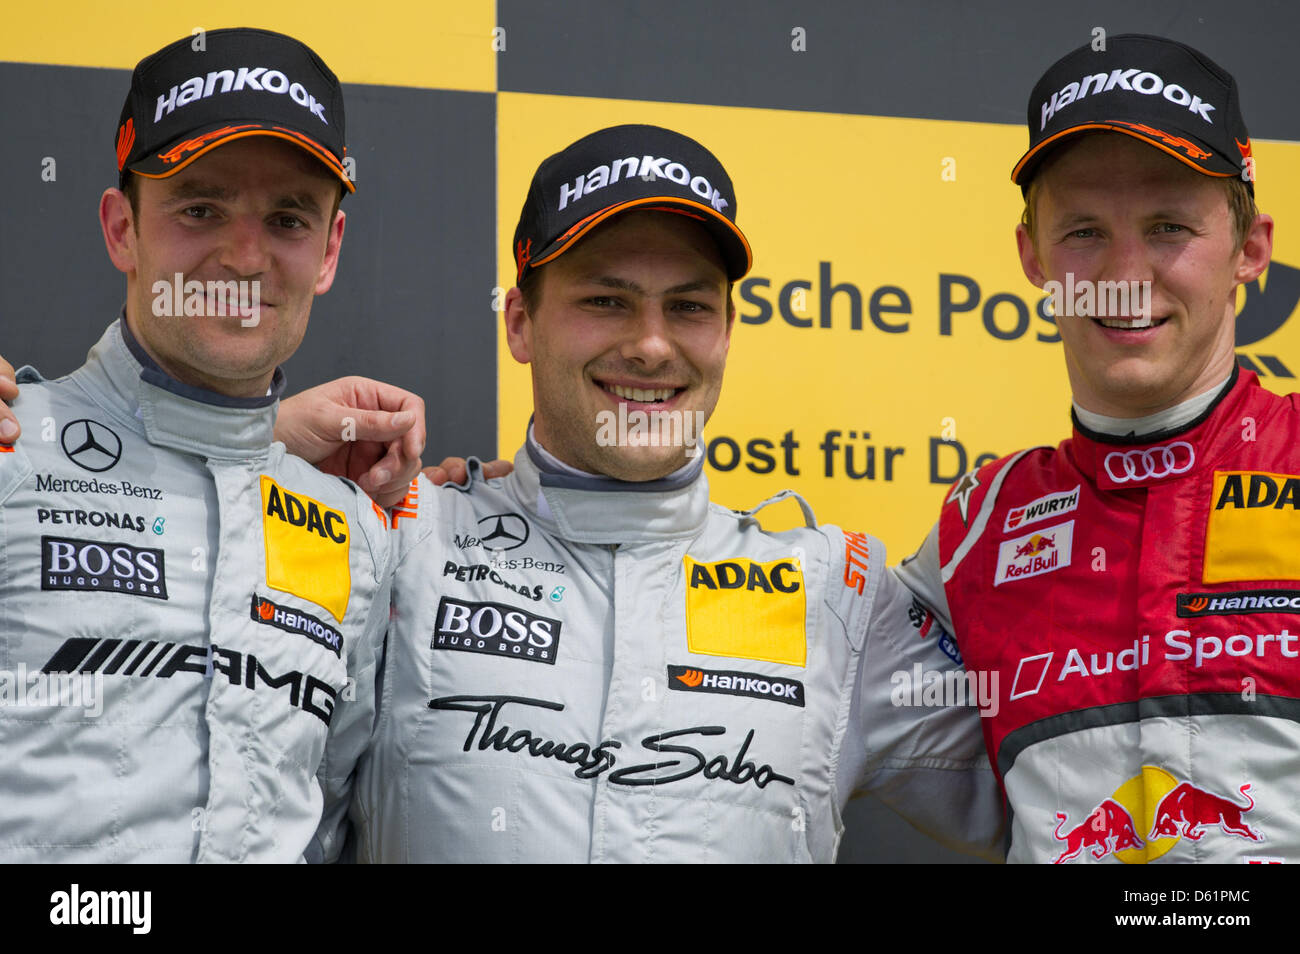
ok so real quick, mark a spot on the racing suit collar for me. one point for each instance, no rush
(1136, 461)
(595, 509)
(176, 415)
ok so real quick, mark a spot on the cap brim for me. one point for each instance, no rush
(181, 152)
(1183, 146)
(732, 243)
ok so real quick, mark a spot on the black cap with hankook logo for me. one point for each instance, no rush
(616, 170)
(1154, 89)
(208, 89)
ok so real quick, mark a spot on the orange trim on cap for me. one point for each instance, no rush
(591, 221)
(1015, 173)
(298, 140)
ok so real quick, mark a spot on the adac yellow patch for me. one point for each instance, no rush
(745, 609)
(306, 548)
(1254, 528)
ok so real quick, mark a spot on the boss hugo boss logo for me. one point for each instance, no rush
(496, 629)
(97, 566)
(257, 78)
(728, 682)
(90, 445)
(1151, 463)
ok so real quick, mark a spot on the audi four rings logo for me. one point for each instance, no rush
(1153, 463)
(90, 445)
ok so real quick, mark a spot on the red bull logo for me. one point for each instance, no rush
(1034, 553)
(1108, 829)
(1034, 545)
(1187, 810)
(1162, 805)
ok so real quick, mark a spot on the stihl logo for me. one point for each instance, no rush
(1133, 81)
(647, 167)
(257, 78)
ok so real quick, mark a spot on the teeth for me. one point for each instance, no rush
(642, 395)
(1130, 323)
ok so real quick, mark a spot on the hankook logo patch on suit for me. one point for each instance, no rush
(495, 629)
(1238, 603)
(731, 683)
(101, 566)
(91, 445)
(296, 621)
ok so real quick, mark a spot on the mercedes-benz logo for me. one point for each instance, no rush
(90, 445)
(503, 531)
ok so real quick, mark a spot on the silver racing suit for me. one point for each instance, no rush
(189, 625)
(582, 669)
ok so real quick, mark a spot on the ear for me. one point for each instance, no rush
(1255, 251)
(1029, 257)
(329, 265)
(117, 223)
(519, 327)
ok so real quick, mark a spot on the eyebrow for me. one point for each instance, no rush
(623, 284)
(198, 189)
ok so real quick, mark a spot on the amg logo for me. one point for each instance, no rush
(496, 629)
(687, 679)
(134, 657)
(257, 78)
(1133, 81)
(645, 167)
(1238, 603)
(295, 621)
(68, 564)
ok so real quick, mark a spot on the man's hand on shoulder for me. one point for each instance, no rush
(365, 430)
(454, 470)
(9, 429)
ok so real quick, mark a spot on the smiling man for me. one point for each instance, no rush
(189, 617)
(1134, 586)
(588, 660)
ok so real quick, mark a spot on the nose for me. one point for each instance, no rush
(245, 251)
(649, 341)
(1128, 259)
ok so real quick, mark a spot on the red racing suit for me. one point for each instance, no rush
(1134, 598)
